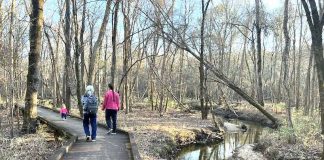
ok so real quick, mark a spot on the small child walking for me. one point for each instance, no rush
(63, 112)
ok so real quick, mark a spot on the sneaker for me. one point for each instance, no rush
(113, 132)
(93, 140)
(109, 131)
(88, 138)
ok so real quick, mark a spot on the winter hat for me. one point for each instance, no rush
(89, 89)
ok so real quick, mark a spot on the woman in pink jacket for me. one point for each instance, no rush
(111, 107)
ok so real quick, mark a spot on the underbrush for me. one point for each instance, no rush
(274, 143)
(30, 146)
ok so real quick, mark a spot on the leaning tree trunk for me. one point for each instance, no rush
(35, 38)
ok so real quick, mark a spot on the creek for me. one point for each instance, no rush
(225, 148)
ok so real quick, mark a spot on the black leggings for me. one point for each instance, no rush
(111, 114)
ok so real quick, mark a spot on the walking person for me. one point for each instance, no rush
(90, 108)
(63, 112)
(111, 107)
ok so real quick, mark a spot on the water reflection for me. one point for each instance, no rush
(224, 149)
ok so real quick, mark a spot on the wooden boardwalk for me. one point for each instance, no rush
(107, 147)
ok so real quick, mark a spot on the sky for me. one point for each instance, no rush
(273, 4)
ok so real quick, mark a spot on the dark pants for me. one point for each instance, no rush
(111, 114)
(92, 120)
(63, 115)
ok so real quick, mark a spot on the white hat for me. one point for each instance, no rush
(89, 89)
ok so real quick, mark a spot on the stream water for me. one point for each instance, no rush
(223, 149)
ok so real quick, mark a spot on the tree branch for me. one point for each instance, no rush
(308, 16)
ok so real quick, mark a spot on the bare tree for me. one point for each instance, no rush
(98, 43)
(77, 57)
(204, 108)
(35, 38)
(12, 67)
(114, 43)
(315, 23)
(181, 42)
(67, 66)
(285, 58)
(82, 45)
(259, 57)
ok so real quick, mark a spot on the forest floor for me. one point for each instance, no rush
(274, 143)
(161, 137)
(40, 145)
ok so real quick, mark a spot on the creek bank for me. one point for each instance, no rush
(276, 149)
(243, 114)
(202, 136)
(247, 152)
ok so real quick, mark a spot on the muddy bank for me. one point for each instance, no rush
(275, 149)
(170, 146)
(243, 114)
(247, 152)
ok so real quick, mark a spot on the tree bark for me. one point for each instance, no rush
(35, 37)
(259, 57)
(67, 66)
(53, 68)
(297, 98)
(12, 68)
(127, 55)
(77, 57)
(316, 27)
(82, 46)
(285, 58)
(114, 43)
(204, 108)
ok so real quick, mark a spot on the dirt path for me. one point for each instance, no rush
(106, 147)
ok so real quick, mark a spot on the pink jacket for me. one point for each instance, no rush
(63, 110)
(110, 102)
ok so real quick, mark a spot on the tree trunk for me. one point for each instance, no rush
(82, 46)
(127, 55)
(35, 38)
(316, 27)
(114, 43)
(204, 108)
(53, 68)
(307, 85)
(11, 82)
(77, 57)
(67, 66)
(297, 98)
(292, 138)
(259, 64)
(98, 43)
